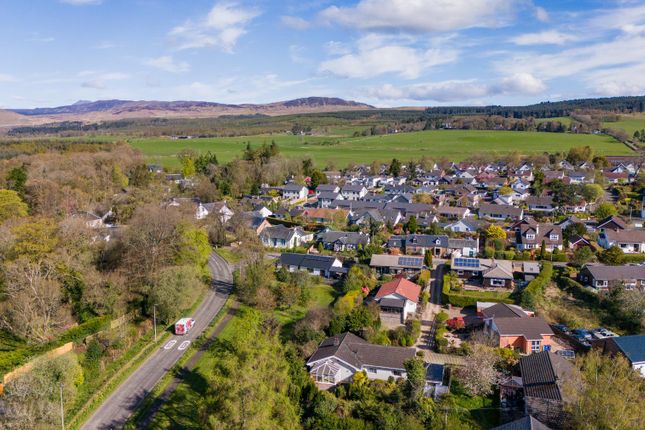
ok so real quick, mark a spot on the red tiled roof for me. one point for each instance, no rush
(401, 286)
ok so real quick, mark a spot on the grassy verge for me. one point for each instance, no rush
(161, 386)
(465, 298)
(229, 255)
(117, 372)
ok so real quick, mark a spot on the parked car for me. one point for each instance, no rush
(581, 333)
(561, 327)
(602, 333)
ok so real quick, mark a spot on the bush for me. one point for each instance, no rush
(534, 291)
(489, 252)
(509, 255)
(441, 317)
(469, 298)
(633, 258)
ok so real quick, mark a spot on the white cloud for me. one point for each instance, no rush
(168, 64)
(7, 78)
(82, 2)
(336, 48)
(549, 37)
(459, 90)
(541, 14)
(295, 22)
(422, 15)
(221, 28)
(100, 81)
(377, 55)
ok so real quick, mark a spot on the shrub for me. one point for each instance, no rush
(534, 291)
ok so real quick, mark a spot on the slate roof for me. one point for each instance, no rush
(308, 261)
(542, 373)
(612, 219)
(434, 372)
(502, 310)
(292, 187)
(352, 188)
(402, 287)
(506, 210)
(281, 232)
(632, 346)
(531, 328)
(328, 195)
(327, 188)
(524, 423)
(358, 353)
(392, 303)
(346, 237)
(625, 236)
(541, 231)
(600, 272)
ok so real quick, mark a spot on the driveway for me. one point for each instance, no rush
(116, 410)
(437, 284)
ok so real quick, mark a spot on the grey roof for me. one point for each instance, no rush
(524, 423)
(328, 195)
(601, 272)
(632, 346)
(625, 236)
(424, 240)
(539, 201)
(308, 261)
(358, 352)
(531, 328)
(434, 372)
(292, 187)
(346, 237)
(353, 188)
(392, 303)
(402, 261)
(280, 232)
(542, 373)
(327, 188)
(506, 210)
(502, 310)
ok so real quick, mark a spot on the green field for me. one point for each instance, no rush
(563, 119)
(629, 123)
(454, 145)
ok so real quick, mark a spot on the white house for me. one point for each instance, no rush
(399, 296)
(319, 265)
(279, 236)
(294, 192)
(629, 240)
(353, 192)
(339, 357)
(204, 209)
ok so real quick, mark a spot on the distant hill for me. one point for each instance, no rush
(113, 109)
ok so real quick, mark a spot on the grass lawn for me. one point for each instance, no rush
(629, 123)
(322, 295)
(452, 144)
(229, 254)
(477, 411)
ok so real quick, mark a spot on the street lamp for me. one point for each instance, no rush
(154, 318)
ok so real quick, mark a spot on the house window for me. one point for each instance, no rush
(370, 369)
(554, 237)
(535, 345)
(530, 236)
(497, 282)
(397, 372)
(460, 272)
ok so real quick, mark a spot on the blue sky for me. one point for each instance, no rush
(383, 52)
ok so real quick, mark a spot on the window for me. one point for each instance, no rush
(530, 236)
(460, 272)
(497, 282)
(554, 237)
(397, 372)
(535, 345)
(370, 369)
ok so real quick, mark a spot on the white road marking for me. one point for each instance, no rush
(184, 345)
(170, 344)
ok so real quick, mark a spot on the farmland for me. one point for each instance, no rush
(451, 144)
(629, 123)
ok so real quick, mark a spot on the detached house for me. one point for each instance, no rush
(439, 245)
(631, 347)
(489, 273)
(630, 241)
(327, 198)
(531, 235)
(321, 265)
(294, 192)
(603, 277)
(500, 212)
(339, 357)
(395, 264)
(514, 328)
(279, 236)
(327, 188)
(399, 297)
(541, 204)
(343, 240)
(353, 192)
(220, 208)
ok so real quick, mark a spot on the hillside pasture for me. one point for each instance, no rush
(453, 145)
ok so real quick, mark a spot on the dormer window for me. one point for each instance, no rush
(530, 236)
(554, 237)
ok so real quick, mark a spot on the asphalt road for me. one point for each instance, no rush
(115, 411)
(437, 284)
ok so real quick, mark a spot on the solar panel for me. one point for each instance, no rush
(409, 261)
(467, 262)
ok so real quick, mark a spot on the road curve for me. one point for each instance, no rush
(116, 409)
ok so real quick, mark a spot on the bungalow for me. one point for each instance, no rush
(603, 277)
(220, 208)
(611, 223)
(379, 216)
(339, 357)
(543, 376)
(630, 241)
(327, 215)
(279, 236)
(631, 347)
(577, 242)
(353, 192)
(500, 212)
(541, 204)
(453, 212)
(395, 264)
(321, 265)
(490, 273)
(399, 297)
(439, 245)
(294, 192)
(343, 240)
(463, 226)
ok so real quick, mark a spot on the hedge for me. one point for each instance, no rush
(10, 360)
(469, 298)
(578, 290)
(633, 258)
(534, 291)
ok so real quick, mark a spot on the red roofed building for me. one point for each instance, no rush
(398, 297)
